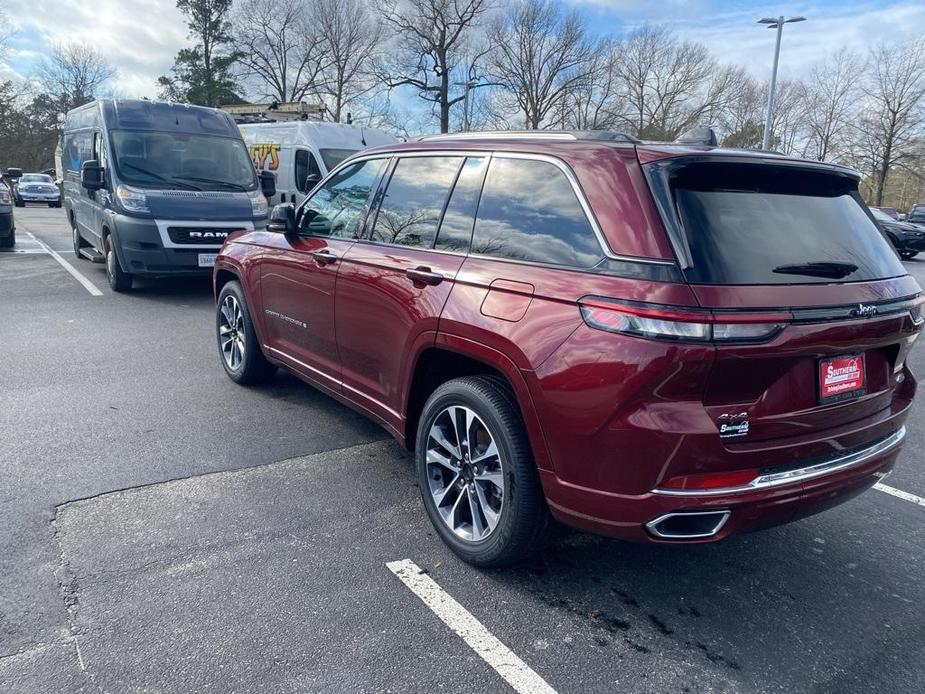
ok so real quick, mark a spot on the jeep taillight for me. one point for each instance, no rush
(661, 322)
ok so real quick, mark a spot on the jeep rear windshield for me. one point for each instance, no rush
(747, 223)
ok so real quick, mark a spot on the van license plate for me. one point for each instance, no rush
(841, 378)
(207, 259)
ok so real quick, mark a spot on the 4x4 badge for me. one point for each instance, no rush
(733, 425)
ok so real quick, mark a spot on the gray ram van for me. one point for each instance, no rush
(153, 188)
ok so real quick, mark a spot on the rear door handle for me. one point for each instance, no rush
(324, 257)
(423, 275)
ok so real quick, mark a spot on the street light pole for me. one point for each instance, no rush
(779, 25)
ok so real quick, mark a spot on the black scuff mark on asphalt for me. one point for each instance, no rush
(618, 625)
(660, 625)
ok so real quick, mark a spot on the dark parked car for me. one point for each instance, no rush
(917, 214)
(908, 239)
(891, 212)
(36, 187)
(7, 224)
(661, 343)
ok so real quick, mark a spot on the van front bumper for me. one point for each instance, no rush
(141, 249)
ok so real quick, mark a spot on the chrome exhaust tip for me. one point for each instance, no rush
(687, 525)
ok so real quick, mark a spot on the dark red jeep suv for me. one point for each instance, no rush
(657, 342)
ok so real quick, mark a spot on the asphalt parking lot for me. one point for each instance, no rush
(165, 530)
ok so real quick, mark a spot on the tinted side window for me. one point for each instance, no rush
(339, 207)
(529, 211)
(414, 199)
(456, 227)
(305, 166)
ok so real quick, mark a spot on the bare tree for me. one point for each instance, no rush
(541, 54)
(595, 103)
(350, 38)
(431, 40)
(72, 74)
(279, 46)
(669, 85)
(831, 96)
(895, 91)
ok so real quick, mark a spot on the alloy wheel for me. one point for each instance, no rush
(465, 473)
(231, 332)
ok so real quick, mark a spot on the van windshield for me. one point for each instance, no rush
(181, 160)
(333, 157)
(763, 224)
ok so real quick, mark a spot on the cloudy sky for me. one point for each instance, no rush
(141, 37)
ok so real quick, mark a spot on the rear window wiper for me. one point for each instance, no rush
(834, 269)
(214, 181)
(157, 176)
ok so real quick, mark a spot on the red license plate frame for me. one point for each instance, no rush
(842, 377)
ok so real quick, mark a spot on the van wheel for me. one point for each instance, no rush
(119, 280)
(10, 241)
(477, 475)
(77, 240)
(238, 348)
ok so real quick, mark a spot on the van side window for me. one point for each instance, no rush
(414, 199)
(529, 211)
(306, 165)
(339, 207)
(456, 228)
(78, 148)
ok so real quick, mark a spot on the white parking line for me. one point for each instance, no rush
(88, 285)
(900, 494)
(502, 659)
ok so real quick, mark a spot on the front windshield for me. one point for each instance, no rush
(333, 157)
(35, 178)
(181, 160)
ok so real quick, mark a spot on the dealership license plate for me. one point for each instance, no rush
(841, 378)
(207, 259)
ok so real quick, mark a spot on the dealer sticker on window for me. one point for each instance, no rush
(841, 378)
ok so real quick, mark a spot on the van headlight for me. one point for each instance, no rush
(259, 206)
(132, 199)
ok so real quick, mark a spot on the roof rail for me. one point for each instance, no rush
(495, 134)
(572, 135)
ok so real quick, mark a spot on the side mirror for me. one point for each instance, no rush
(267, 183)
(282, 219)
(91, 175)
(311, 180)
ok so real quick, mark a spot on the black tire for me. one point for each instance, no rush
(9, 241)
(119, 280)
(253, 367)
(524, 525)
(77, 240)
(19, 203)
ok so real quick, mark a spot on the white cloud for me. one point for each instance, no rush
(138, 37)
(738, 39)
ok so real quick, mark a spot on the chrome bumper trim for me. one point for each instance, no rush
(776, 479)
